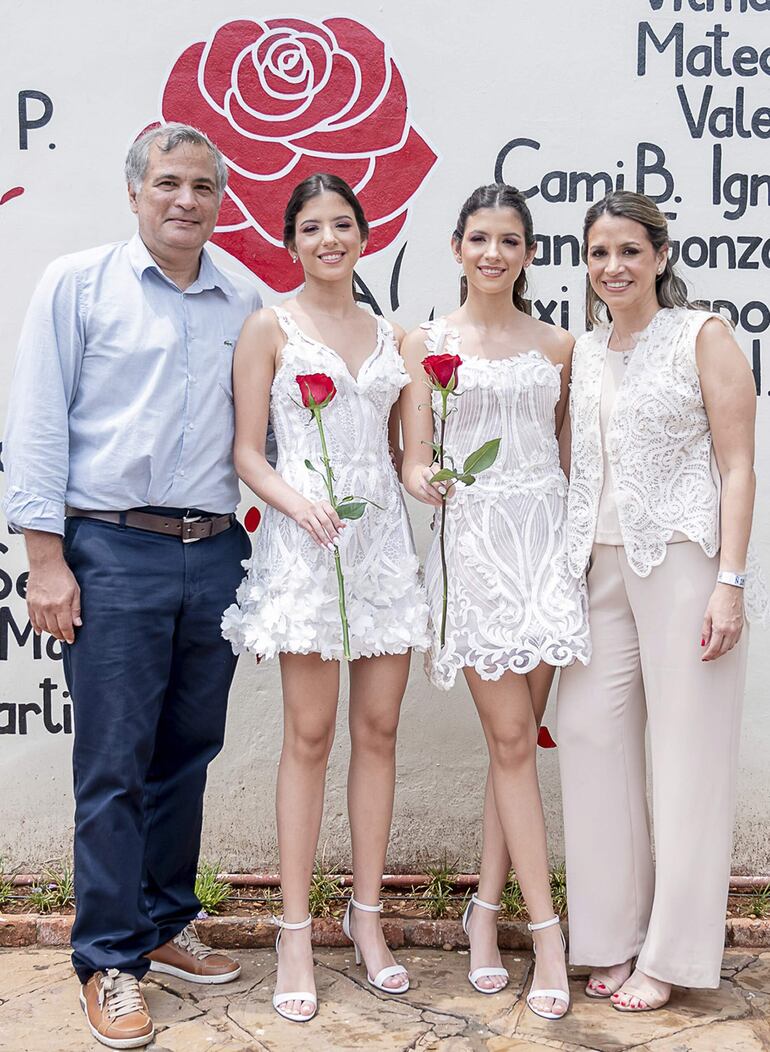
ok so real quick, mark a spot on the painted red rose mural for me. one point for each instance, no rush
(285, 98)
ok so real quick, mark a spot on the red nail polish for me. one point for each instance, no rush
(703, 642)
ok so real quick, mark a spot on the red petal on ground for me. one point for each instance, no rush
(15, 191)
(382, 129)
(272, 265)
(544, 739)
(252, 519)
(182, 101)
(396, 177)
(326, 104)
(382, 236)
(267, 200)
(226, 45)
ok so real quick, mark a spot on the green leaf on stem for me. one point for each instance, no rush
(444, 475)
(482, 458)
(351, 510)
(467, 479)
(364, 499)
(311, 467)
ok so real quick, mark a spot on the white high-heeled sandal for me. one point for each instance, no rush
(483, 973)
(295, 995)
(557, 995)
(384, 973)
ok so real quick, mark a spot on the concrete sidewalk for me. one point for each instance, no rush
(39, 1010)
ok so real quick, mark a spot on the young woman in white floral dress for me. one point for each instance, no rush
(288, 602)
(514, 612)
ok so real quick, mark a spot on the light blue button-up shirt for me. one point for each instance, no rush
(122, 391)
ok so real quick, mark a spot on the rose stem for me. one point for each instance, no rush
(337, 562)
(443, 518)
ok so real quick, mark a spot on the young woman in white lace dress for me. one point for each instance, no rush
(660, 508)
(514, 612)
(288, 602)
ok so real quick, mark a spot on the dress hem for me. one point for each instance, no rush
(335, 655)
(447, 683)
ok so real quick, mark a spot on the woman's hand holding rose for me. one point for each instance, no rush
(321, 521)
(426, 491)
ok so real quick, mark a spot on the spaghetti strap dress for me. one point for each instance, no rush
(512, 601)
(288, 600)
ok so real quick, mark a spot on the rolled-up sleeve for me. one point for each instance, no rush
(45, 377)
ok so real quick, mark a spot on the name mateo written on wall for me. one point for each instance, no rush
(719, 82)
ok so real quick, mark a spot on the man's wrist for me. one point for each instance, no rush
(43, 549)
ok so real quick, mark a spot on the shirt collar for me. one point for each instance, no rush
(209, 275)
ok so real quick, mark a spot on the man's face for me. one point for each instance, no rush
(177, 204)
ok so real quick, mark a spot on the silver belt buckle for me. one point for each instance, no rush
(188, 520)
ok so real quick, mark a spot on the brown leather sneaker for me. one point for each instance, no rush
(115, 1010)
(187, 957)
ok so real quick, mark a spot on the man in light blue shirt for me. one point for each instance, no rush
(118, 452)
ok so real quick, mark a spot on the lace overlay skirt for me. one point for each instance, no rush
(512, 602)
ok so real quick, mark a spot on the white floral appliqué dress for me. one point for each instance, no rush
(288, 600)
(512, 600)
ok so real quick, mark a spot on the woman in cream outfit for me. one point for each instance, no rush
(660, 508)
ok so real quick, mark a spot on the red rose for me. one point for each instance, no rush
(442, 368)
(317, 387)
(283, 99)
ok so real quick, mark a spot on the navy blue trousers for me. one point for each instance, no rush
(149, 675)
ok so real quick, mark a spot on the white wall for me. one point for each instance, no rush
(556, 72)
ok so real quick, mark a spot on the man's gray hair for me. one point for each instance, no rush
(168, 137)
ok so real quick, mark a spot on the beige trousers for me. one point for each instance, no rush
(646, 670)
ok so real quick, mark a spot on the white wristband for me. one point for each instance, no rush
(737, 580)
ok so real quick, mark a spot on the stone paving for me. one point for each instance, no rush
(39, 1010)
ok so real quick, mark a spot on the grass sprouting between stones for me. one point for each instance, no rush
(325, 890)
(511, 899)
(6, 885)
(438, 890)
(212, 892)
(559, 889)
(56, 889)
(759, 904)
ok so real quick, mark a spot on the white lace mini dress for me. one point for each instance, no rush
(288, 601)
(512, 602)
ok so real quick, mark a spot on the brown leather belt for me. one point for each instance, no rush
(189, 529)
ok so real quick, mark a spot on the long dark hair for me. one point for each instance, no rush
(669, 287)
(314, 186)
(498, 195)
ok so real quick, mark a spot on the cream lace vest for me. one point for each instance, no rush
(658, 447)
